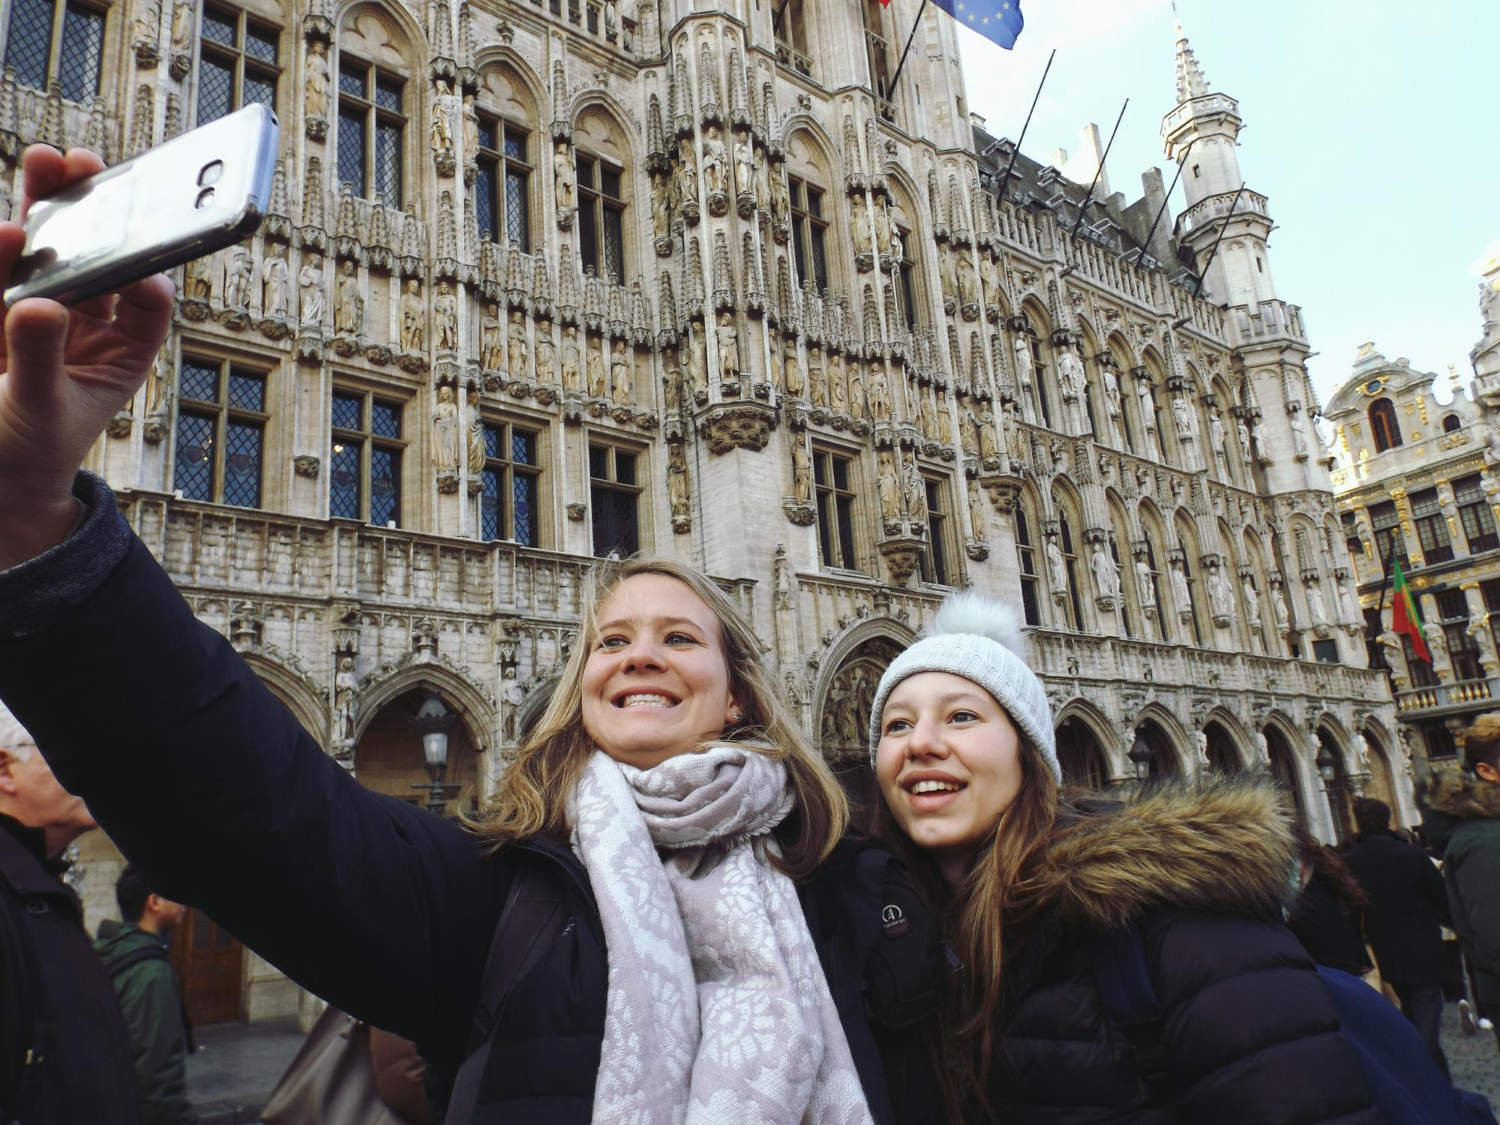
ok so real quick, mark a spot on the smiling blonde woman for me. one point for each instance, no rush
(1030, 888)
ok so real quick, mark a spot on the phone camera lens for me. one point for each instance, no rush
(205, 198)
(211, 173)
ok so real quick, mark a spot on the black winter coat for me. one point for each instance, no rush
(1250, 1037)
(1408, 908)
(203, 778)
(86, 1073)
(1328, 928)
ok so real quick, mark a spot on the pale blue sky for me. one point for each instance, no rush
(1374, 128)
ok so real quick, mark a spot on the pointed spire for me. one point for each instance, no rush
(1190, 80)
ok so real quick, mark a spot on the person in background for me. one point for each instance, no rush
(64, 1054)
(1404, 919)
(134, 953)
(1463, 821)
(1326, 915)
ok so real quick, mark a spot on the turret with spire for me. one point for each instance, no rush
(1204, 130)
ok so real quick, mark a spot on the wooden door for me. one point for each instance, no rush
(209, 965)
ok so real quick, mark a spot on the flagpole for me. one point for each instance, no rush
(1005, 179)
(916, 23)
(1380, 609)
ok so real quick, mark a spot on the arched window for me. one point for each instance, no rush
(792, 44)
(1026, 563)
(1070, 562)
(1163, 610)
(508, 152)
(1383, 425)
(56, 39)
(1124, 598)
(374, 107)
(1451, 422)
(1033, 337)
(603, 181)
(811, 209)
(877, 48)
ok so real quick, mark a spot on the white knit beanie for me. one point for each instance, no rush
(981, 640)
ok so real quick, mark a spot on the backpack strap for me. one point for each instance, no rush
(530, 921)
(1130, 1004)
(152, 952)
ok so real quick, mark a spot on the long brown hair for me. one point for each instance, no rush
(531, 797)
(985, 920)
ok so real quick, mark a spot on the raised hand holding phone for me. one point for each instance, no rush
(66, 372)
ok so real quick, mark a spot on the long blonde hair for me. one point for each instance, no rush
(985, 920)
(531, 798)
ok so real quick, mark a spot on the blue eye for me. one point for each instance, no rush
(963, 717)
(611, 642)
(681, 638)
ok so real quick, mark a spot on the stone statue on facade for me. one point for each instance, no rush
(546, 354)
(572, 376)
(671, 381)
(715, 162)
(564, 181)
(817, 378)
(1112, 394)
(413, 328)
(880, 394)
(1025, 364)
(791, 370)
(344, 683)
(476, 444)
(1279, 608)
(489, 338)
(859, 223)
(1219, 597)
(661, 211)
(274, 282)
(1299, 433)
(729, 349)
(620, 388)
(515, 346)
(1316, 608)
(801, 472)
(916, 495)
(310, 282)
(888, 489)
(471, 129)
(1145, 583)
(1180, 591)
(445, 440)
(1070, 374)
(744, 167)
(697, 372)
(349, 306)
(1057, 567)
(445, 318)
(1252, 602)
(838, 397)
(598, 377)
(1106, 572)
(1182, 417)
(237, 276)
(976, 509)
(315, 93)
(440, 129)
(968, 280)
(677, 483)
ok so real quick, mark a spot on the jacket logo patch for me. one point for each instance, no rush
(893, 921)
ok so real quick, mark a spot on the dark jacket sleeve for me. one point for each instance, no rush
(1474, 872)
(1431, 880)
(203, 778)
(1250, 1034)
(153, 1016)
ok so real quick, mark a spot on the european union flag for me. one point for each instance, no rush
(999, 21)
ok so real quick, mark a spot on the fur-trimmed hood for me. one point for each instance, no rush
(1462, 796)
(1221, 845)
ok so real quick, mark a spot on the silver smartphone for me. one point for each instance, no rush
(188, 197)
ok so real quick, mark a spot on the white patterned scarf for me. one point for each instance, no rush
(718, 1012)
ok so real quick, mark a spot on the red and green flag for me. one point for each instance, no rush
(1404, 616)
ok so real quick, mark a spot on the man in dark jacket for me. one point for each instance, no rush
(1464, 817)
(1404, 919)
(134, 953)
(64, 1056)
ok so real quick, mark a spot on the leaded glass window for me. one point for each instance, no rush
(1026, 560)
(833, 481)
(601, 219)
(239, 63)
(614, 497)
(508, 498)
(937, 560)
(809, 232)
(1475, 514)
(502, 190)
(220, 440)
(46, 40)
(1431, 525)
(372, 131)
(364, 479)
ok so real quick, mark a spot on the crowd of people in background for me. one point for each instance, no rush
(662, 913)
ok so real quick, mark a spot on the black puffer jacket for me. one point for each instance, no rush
(56, 1001)
(203, 778)
(1249, 1034)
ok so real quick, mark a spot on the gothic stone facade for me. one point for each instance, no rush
(542, 281)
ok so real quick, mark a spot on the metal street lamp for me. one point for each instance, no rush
(434, 722)
(1328, 765)
(1140, 754)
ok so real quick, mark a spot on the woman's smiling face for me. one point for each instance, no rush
(948, 763)
(655, 683)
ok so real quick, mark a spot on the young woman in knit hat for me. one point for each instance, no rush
(1038, 894)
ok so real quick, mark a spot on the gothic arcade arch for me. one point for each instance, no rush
(1084, 738)
(842, 702)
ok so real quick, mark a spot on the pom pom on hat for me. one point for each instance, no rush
(981, 640)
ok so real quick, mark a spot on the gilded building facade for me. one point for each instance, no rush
(546, 281)
(1416, 480)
